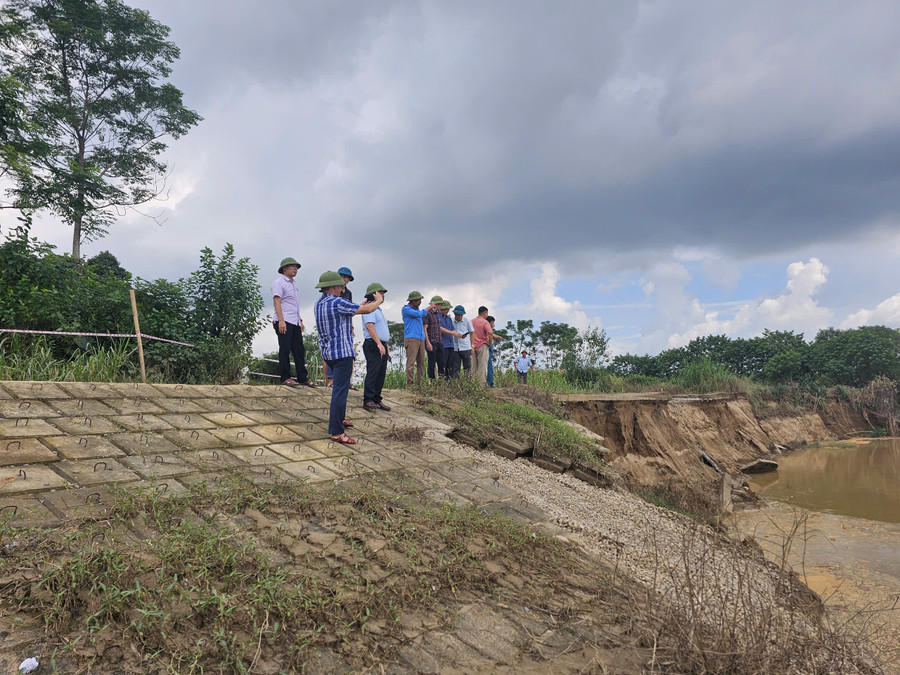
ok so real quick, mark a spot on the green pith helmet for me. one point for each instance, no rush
(446, 304)
(285, 263)
(329, 279)
(414, 295)
(374, 287)
(437, 299)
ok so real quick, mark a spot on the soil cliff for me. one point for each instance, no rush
(657, 438)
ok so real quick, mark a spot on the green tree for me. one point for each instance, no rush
(105, 264)
(555, 340)
(93, 83)
(516, 337)
(857, 356)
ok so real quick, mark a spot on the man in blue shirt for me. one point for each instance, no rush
(415, 341)
(334, 317)
(375, 349)
(523, 365)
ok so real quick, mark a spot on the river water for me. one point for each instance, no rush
(860, 479)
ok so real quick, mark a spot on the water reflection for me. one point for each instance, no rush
(855, 480)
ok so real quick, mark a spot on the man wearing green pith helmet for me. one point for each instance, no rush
(289, 326)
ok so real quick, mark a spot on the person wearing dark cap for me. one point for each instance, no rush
(462, 346)
(447, 335)
(375, 349)
(289, 326)
(334, 321)
(523, 365)
(347, 276)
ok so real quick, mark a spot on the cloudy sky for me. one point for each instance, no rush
(660, 169)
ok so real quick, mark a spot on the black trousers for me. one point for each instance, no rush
(291, 343)
(437, 361)
(457, 358)
(443, 360)
(376, 369)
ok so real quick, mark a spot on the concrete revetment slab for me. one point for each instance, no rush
(133, 406)
(81, 406)
(96, 471)
(85, 425)
(198, 439)
(257, 456)
(30, 408)
(83, 447)
(90, 390)
(178, 405)
(239, 436)
(296, 452)
(229, 419)
(277, 433)
(25, 451)
(309, 471)
(158, 466)
(140, 444)
(141, 422)
(43, 390)
(29, 478)
(25, 511)
(24, 428)
(187, 421)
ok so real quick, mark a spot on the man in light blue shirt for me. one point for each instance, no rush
(523, 365)
(375, 349)
(462, 346)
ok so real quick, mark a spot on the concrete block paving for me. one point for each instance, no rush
(64, 447)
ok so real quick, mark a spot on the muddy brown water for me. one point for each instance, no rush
(859, 480)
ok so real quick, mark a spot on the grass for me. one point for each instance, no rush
(34, 360)
(242, 577)
(479, 412)
(220, 572)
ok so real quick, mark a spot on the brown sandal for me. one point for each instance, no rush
(343, 439)
(310, 384)
(347, 423)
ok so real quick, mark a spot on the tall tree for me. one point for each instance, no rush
(92, 81)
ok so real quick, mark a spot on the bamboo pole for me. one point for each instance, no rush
(137, 330)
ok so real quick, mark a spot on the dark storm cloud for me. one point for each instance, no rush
(532, 131)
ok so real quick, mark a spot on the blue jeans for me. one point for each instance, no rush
(341, 370)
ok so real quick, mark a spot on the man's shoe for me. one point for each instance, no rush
(370, 405)
(383, 406)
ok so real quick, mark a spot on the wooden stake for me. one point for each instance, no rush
(137, 330)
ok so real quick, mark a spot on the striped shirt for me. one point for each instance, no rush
(335, 325)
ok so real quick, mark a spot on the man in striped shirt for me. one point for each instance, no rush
(334, 317)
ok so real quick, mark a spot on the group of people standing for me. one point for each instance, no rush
(450, 344)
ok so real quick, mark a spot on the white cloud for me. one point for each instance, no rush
(680, 316)
(885, 313)
(546, 302)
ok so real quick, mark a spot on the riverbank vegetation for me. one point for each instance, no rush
(216, 309)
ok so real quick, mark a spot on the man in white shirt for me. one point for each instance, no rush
(289, 326)
(462, 346)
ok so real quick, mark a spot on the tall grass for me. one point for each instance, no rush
(96, 363)
(705, 376)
